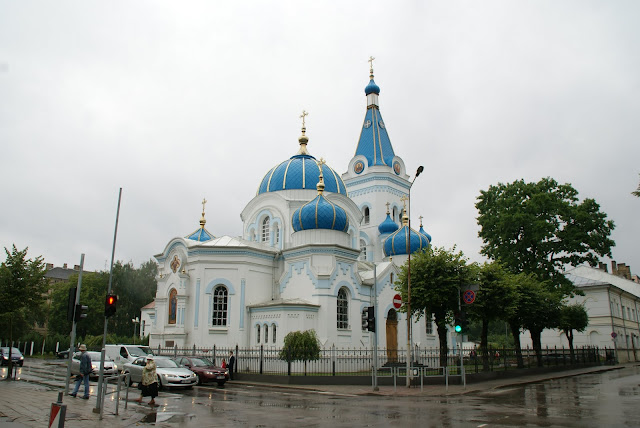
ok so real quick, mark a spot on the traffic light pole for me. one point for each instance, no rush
(73, 328)
(461, 336)
(100, 398)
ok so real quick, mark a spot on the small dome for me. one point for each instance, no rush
(320, 214)
(200, 235)
(425, 234)
(396, 244)
(372, 88)
(387, 226)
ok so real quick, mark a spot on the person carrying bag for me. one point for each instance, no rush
(149, 382)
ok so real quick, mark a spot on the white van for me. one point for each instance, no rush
(122, 354)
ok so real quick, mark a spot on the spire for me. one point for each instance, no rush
(201, 234)
(374, 142)
(303, 138)
(320, 185)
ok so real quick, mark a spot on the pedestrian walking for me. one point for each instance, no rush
(85, 371)
(232, 363)
(149, 384)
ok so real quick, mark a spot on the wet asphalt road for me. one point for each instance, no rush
(610, 399)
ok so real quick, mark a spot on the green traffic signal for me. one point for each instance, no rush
(458, 328)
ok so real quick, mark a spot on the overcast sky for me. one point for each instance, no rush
(176, 101)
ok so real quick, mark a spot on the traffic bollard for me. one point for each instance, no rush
(58, 413)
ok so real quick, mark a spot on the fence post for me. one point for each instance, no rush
(333, 359)
(43, 341)
(261, 357)
(194, 349)
(175, 350)
(214, 354)
(288, 361)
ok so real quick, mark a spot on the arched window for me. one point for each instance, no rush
(343, 309)
(429, 324)
(273, 333)
(266, 333)
(363, 250)
(366, 215)
(395, 214)
(258, 333)
(173, 305)
(276, 234)
(219, 306)
(265, 229)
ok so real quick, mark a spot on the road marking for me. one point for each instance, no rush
(483, 425)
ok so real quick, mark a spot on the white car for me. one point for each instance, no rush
(168, 372)
(109, 366)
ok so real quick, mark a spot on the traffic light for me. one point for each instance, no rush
(80, 312)
(365, 320)
(110, 305)
(71, 304)
(460, 323)
(371, 319)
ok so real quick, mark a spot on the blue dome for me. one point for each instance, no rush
(387, 226)
(425, 234)
(301, 172)
(396, 244)
(320, 214)
(200, 235)
(372, 88)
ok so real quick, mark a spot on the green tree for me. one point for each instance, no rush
(494, 301)
(300, 346)
(536, 308)
(134, 287)
(541, 227)
(436, 277)
(637, 192)
(22, 292)
(572, 317)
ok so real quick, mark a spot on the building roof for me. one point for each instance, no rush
(284, 302)
(60, 273)
(585, 276)
(151, 305)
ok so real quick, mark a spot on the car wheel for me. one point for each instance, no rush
(199, 380)
(21, 363)
(159, 384)
(221, 384)
(130, 381)
(188, 387)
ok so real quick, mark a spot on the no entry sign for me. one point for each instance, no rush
(397, 301)
(469, 297)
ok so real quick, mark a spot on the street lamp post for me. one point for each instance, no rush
(135, 322)
(409, 315)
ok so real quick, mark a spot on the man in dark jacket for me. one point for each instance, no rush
(232, 363)
(85, 371)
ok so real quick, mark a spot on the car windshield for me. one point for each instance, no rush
(197, 362)
(165, 363)
(136, 352)
(147, 350)
(95, 356)
(5, 350)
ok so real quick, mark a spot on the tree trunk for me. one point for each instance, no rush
(569, 334)
(444, 350)
(515, 332)
(537, 345)
(484, 341)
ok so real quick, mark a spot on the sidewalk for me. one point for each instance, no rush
(27, 402)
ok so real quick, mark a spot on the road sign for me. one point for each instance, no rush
(614, 334)
(469, 297)
(397, 301)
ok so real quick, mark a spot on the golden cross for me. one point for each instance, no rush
(321, 162)
(387, 204)
(420, 221)
(371, 63)
(404, 200)
(204, 201)
(303, 115)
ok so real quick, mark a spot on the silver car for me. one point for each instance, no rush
(169, 374)
(109, 366)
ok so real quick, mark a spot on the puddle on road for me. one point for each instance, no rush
(170, 417)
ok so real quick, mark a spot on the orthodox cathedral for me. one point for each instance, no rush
(316, 248)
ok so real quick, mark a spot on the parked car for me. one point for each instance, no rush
(122, 354)
(109, 366)
(554, 358)
(16, 356)
(204, 369)
(63, 354)
(169, 374)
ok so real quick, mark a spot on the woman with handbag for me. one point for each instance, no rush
(149, 384)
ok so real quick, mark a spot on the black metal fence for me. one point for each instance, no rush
(359, 361)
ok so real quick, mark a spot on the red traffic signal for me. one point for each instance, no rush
(110, 305)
